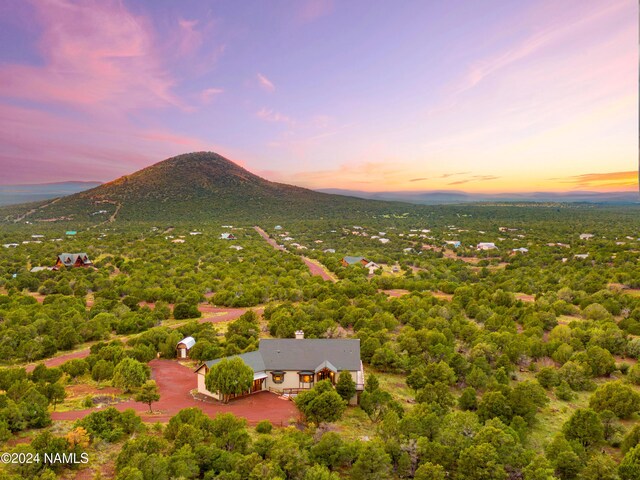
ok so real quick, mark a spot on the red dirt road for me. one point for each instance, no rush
(57, 361)
(270, 241)
(318, 270)
(313, 266)
(175, 382)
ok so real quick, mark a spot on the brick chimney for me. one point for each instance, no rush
(299, 334)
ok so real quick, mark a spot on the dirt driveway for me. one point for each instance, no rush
(176, 382)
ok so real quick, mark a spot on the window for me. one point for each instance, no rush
(306, 378)
(277, 377)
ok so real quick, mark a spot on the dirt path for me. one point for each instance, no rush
(176, 381)
(113, 216)
(316, 268)
(395, 293)
(33, 210)
(270, 241)
(313, 265)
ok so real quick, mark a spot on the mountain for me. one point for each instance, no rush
(16, 194)
(195, 186)
(456, 196)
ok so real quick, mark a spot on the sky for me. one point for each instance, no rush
(475, 95)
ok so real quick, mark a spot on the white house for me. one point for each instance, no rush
(288, 366)
(586, 236)
(486, 246)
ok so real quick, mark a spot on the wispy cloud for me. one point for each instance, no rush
(418, 179)
(96, 55)
(475, 178)
(602, 180)
(272, 116)
(208, 94)
(265, 83)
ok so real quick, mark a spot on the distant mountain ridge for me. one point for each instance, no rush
(15, 194)
(456, 196)
(197, 186)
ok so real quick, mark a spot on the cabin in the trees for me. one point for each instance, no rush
(73, 260)
(184, 346)
(288, 366)
(371, 266)
(486, 246)
(227, 236)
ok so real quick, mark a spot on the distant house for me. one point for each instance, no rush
(581, 256)
(486, 246)
(520, 250)
(10, 245)
(184, 346)
(195, 233)
(236, 247)
(586, 236)
(178, 240)
(290, 365)
(277, 227)
(346, 261)
(227, 236)
(371, 266)
(384, 240)
(73, 260)
(329, 250)
(70, 233)
(453, 243)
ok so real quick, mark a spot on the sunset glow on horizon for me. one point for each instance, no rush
(492, 96)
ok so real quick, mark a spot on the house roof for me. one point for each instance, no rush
(302, 354)
(188, 342)
(353, 260)
(253, 359)
(72, 257)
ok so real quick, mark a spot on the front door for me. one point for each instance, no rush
(326, 374)
(257, 385)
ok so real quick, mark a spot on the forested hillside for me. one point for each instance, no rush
(516, 362)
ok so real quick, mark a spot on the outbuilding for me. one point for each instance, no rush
(184, 346)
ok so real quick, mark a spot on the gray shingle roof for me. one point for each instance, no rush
(302, 354)
(353, 260)
(72, 257)
(253, 359)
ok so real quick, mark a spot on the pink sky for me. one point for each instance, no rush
(499, 97)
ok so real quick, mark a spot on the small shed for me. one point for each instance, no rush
(184, 346)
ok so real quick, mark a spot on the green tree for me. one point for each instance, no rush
(538, 469)
(480, 462)
(346, 387)
(373, 463)
(320, 472)
(321, 404)
(621, 399)
(629, 468)
(102, 370)
(149, 393)
(430, 471)
(494, 404)
(585, 427)
(129, 374)
(600, 467)
(230, 376)
(468, 400)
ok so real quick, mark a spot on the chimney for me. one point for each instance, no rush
(299, 334)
